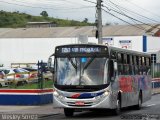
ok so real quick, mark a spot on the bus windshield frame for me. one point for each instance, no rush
(82, 66)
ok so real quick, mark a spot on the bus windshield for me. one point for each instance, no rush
(81, 71)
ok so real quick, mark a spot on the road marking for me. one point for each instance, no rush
(151, 105)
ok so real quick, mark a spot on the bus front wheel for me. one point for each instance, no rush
(117, 110)
(68, 112)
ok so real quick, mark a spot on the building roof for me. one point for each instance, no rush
(61, 32)
(38, 22)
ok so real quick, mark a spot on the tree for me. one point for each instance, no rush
(44, 14)
(85, 20)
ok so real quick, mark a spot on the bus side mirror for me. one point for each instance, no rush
(113, 70)
(115, 66)
(50, 65)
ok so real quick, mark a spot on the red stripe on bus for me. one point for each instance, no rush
(25, 91)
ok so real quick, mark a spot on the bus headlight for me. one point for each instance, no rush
(106, 93)
(55, 93)
(59, 96)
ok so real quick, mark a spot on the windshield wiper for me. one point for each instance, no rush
(88, 63)
(74, 65)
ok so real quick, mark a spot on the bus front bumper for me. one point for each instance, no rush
(92, 103)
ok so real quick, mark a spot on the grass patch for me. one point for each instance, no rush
(47, 84)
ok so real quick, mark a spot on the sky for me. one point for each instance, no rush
(145, 11)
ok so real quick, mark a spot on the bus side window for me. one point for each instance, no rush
(148, 71)
(120, 64)
(113, 55)
(128, 59)
(124, 58)
(119, 58)
(140, 65)
(135, 65)
(120, 69)
(136, 69)
(126, 69)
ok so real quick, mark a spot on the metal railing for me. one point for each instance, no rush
(156, 85)
(18, 78)
(155, 70)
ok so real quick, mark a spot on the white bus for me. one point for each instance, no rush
(99, 77)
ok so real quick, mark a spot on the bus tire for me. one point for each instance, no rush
(117, 110)
(139, 105)
(68, 112)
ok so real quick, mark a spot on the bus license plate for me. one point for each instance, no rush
(79, 103)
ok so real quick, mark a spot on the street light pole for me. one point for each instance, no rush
(99, 21)
(153, 65)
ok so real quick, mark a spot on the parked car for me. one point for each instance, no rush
(24, 73)
(47, 75)
(2, 74)
(11, 75)
(3, 82)
(33, 76)
(30, 69)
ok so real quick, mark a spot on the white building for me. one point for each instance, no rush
(28, 45)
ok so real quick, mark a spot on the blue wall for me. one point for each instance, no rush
(26, 97)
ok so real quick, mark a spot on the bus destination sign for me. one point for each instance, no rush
(81, 50)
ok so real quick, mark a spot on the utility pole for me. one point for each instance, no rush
(99, 22)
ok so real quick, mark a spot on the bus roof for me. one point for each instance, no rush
(110, 48)
(128, 51)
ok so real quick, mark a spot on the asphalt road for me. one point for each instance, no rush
(150, 111)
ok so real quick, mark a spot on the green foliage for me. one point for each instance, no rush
(85, 20)
(44, 14)
(18, 20)
(12, 19)
(156, 74)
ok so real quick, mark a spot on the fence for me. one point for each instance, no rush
(19, 65)
(155, 70)
(16, 79)
(156, 85)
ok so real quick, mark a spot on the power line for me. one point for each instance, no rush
(124, 20)
(135, 13)
(90, 1)
(133, 19)
(46, 7)
(121, 11)
(142, 8)
(44, 3)
(129, 17)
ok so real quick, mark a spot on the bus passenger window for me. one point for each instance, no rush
(126, 69)
(120, 69)
(119, 58)
(128, 59)
(136, 70)
(137, 60)
(125, 59)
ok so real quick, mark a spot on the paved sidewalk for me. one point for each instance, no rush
(44, 110)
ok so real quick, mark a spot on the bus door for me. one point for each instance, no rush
(114, 79)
